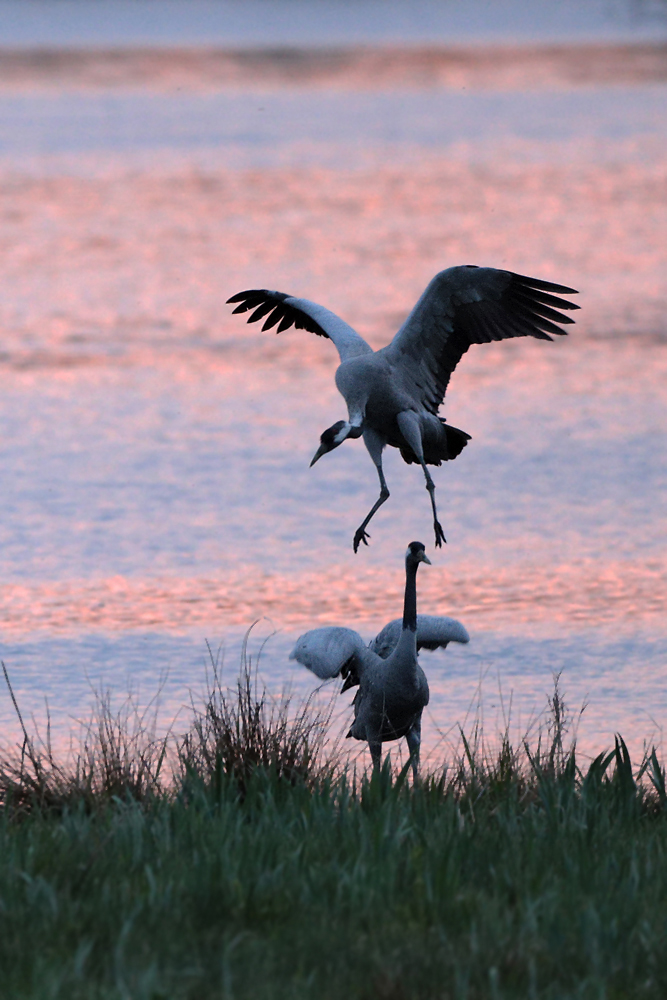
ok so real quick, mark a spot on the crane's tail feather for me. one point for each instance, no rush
(456, 440)
(443, 446)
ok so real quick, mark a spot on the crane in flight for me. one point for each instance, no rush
(393, 690)
(393, 394)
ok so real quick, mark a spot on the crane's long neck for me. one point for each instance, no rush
(410, 601)
(404, 657)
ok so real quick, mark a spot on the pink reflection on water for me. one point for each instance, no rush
(122, 257)
(114, 333)
(569, 596)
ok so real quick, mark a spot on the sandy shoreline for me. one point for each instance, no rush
(483, 67)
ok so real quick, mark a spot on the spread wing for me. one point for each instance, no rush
(471, 305)
(330, 651)
(285, 311)
(433, 632)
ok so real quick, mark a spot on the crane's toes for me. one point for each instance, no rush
(439, 535)
(360, 536)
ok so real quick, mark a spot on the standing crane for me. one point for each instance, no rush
(393, 690)
(393, 394)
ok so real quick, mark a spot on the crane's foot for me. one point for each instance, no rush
(439, 535)
(360, 536)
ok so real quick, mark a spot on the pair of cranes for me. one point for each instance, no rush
(393, 396)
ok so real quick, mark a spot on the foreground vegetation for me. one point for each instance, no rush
(263, 869)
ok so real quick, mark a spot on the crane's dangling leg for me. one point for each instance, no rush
(375, 747)
(437, 527)
(409, 426)
(414, 739)
(374, 445)
(361, 534)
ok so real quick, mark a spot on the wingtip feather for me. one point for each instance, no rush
(546, 286)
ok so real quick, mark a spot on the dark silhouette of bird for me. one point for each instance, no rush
(393, 689)
(393, 394)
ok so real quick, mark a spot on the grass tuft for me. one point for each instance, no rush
(236, 733)
(119, 757)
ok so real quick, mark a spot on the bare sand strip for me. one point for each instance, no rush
(486, 67)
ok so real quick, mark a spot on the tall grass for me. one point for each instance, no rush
(240, 863)
(239, 731)
(118, 756)
(232, 734)
(235, 733)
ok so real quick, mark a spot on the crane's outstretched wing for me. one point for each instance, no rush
(286, 311)
(471, 305)
(328, 651)
(433, 632)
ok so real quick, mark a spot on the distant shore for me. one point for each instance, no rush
(358, 67)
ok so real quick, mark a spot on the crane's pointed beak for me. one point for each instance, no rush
(322, 450)
(333, 436)
(426, 559)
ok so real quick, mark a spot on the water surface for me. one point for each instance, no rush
(154, 450)
(269, 23)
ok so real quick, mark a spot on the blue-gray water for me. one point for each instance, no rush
(339, 129)
(324, 22)
(154, 450)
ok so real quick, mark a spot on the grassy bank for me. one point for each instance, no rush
(261, 870)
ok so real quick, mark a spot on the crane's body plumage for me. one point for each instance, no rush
(392, 687)
(393, 394)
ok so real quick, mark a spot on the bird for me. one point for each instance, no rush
(393, 690)
(393, 394)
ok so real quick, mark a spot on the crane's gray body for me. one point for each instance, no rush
(376, 394)
(393, 394)
(392, 694)
(392, 687)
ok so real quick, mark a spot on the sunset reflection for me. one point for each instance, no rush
(569, 596)
(155, 451)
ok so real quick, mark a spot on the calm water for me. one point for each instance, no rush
(334, 22)
(154, 450)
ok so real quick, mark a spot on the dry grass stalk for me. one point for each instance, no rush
(119, 757)
(242, 730)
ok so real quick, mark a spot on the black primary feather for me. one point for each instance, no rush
(547, 286)
(264, 301)
(524, 309)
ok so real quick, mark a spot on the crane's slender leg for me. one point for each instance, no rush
(414, 739)
(361, 534)
(408, 423)
(437, 527)
(375, 747)
(374, 445)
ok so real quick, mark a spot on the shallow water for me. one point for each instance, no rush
(265, 128)
(154, 449)
(240, 23)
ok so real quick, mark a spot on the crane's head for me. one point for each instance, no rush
(416, 553)
(335, 435)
